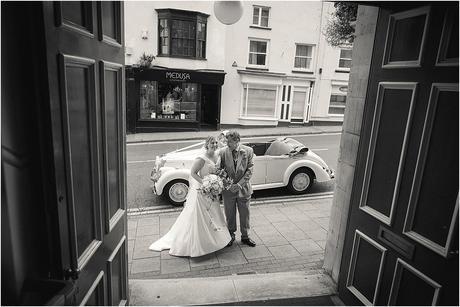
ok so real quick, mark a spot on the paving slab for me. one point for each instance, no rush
(145, 265)
(283, 251)
(175, 265)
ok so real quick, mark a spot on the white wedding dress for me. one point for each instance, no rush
(200, 229)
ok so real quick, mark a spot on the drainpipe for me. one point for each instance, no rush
(316, 87)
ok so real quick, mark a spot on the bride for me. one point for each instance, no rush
(200, 229)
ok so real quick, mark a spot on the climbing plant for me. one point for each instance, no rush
(340, 28)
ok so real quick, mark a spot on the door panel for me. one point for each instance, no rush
(85, 58)
(276, 168)
(286, 109)
(404, 201)
(260, 170)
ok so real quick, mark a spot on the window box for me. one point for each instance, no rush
(182, 34)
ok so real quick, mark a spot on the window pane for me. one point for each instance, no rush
(177, 101)
(297, 63)
(307, 63)
(262, 47)
(345, 53)
(252, 58)
(253, 46)
(309, 51)
(148, 100)
(261, 102)
(335, 110)
(255, 16)
(345, 63)
(264, 21)
(261, 59)
(265, 12)
(301, 50)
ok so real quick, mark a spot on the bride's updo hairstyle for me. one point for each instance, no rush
(209, 140)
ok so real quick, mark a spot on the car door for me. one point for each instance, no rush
(276, 168)
(259, 170)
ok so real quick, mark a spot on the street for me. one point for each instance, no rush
(141, 156)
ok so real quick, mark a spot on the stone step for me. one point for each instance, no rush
(228, 289)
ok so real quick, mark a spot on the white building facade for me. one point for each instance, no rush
(278, 67)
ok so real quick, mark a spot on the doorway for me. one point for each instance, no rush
(210, 107)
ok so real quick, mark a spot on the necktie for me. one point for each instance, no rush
(235, 157)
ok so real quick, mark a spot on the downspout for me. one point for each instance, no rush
(316, 87)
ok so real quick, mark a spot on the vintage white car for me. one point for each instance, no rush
(277, 163)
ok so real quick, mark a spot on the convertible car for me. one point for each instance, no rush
(277, 163)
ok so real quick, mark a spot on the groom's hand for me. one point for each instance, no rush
(234, 188)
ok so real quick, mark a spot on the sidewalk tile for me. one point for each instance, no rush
(147, 230)
(307, 226)
(324, 222)
(148, 221)
(276, 217)
(307, 246)
(145, 265)
(232, 258)
(130, 250)
(283, 251)
(318, 234)
(141, 247)
(259, 251)
(204, 260)
(176, 265)
(318, 213)
(322, 244)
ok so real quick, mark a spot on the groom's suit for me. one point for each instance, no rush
(241, 173)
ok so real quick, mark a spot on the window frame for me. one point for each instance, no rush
(340, 58)
(259, 19)
(244, 100)
(311, 68)
(189, 16)
(266, 54)
(337, 106)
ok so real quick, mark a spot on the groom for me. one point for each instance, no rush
(236, 160)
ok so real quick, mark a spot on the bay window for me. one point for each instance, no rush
(181, 33)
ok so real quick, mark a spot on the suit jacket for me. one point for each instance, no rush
(243, 171)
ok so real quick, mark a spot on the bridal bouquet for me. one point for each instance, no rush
(227, 181)
(212, 187)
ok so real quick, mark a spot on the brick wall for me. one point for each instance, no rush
(362, 54)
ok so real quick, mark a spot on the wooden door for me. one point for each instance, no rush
(84, 46)
(401, 245)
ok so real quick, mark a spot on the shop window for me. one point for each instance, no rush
(170, 101)
(345, 58)
(258, 51)
(181, 33)
(259, 101)
(337, 104)
(303, 57)
(260, 16)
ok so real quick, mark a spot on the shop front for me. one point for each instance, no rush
(162, 99)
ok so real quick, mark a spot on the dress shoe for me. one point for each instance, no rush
(231, 242)
(249, 242)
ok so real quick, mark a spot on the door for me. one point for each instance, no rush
(209, 105)
(285, 107)
(401, 244)
(300, 97)
(84, 46)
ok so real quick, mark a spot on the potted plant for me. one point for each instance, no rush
(145, 61)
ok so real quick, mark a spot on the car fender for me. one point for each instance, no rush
(320, 173)
(170, 175)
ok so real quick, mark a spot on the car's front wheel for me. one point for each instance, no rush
(301, 180)
(176, 191)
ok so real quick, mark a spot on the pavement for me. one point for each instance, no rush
(287, 261)
(244, 132)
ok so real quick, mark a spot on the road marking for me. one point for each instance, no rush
(142, 161)
(148, 161)
(254, 202)
(243, 138)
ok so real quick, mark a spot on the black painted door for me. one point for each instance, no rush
(84, 45)
(401, 245)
